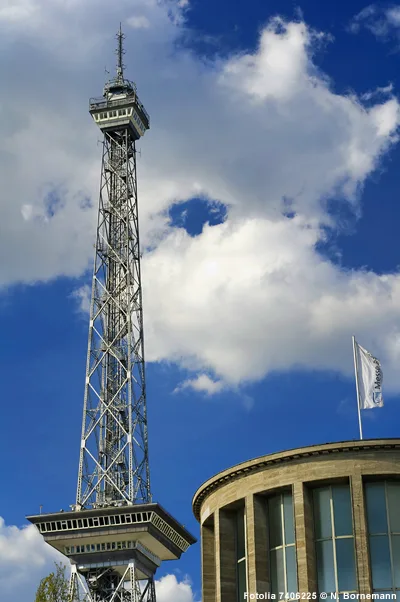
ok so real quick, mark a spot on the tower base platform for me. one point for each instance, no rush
(113, 549)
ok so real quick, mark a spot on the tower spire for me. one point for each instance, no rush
(120, 52)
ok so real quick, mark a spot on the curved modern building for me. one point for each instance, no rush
(320, 521)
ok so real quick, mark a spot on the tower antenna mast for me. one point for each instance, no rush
(114, 535)
(120, 53)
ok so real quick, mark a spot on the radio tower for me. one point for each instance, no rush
(115, 536)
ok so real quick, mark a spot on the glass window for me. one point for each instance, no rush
(281, 539)
(382, 505)
(393, 502)
(342, 511)
(376, 508)
(240, 541)
(241, 560)
(275, 521)
(380, 562)
(291, 568)
(241, 580)
(325, 566)
(345, 562)
(334, 540)
(288, 518)
(396, 560)
(277, 570)
(322, 513)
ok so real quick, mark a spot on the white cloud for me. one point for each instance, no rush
(139, 22)
(264, 300)
(25, 559)
(169, 589)
(378, 93)
(261, 132)
(82, 296)
(381, 21)
(12, 10)
(202, 383)
(393, 15)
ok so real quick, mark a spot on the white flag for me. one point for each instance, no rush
(369, 377)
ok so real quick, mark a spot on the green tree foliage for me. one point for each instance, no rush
(54, 587)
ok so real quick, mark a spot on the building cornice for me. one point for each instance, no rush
(243, 469)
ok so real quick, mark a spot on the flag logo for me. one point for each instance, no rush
(369, 378)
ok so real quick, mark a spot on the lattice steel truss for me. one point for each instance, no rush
(108, 585)
(114, 466)
(115, 550)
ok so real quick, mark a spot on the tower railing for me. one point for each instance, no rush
(104, 103)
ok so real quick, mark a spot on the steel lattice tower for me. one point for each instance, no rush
(114, 462)
(114, 535)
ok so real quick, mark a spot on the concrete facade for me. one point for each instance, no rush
(299, 471)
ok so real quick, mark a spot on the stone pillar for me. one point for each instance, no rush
(305, 549)
(208, 560)
(360, 535)
(257, 545)
(225, 550)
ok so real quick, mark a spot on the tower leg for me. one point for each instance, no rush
(78, 591)
(127, 588)
(138, 591)
(149, 592)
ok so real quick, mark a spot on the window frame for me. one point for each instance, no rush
(388, 533)
(334, 538)
(243, 559)
(283, 546)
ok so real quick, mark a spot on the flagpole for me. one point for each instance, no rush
(358, 393)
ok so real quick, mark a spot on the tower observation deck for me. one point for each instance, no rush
(115, 535)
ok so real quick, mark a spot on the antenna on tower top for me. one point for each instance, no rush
(120, 52)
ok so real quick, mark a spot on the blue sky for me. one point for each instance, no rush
(250, 299)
